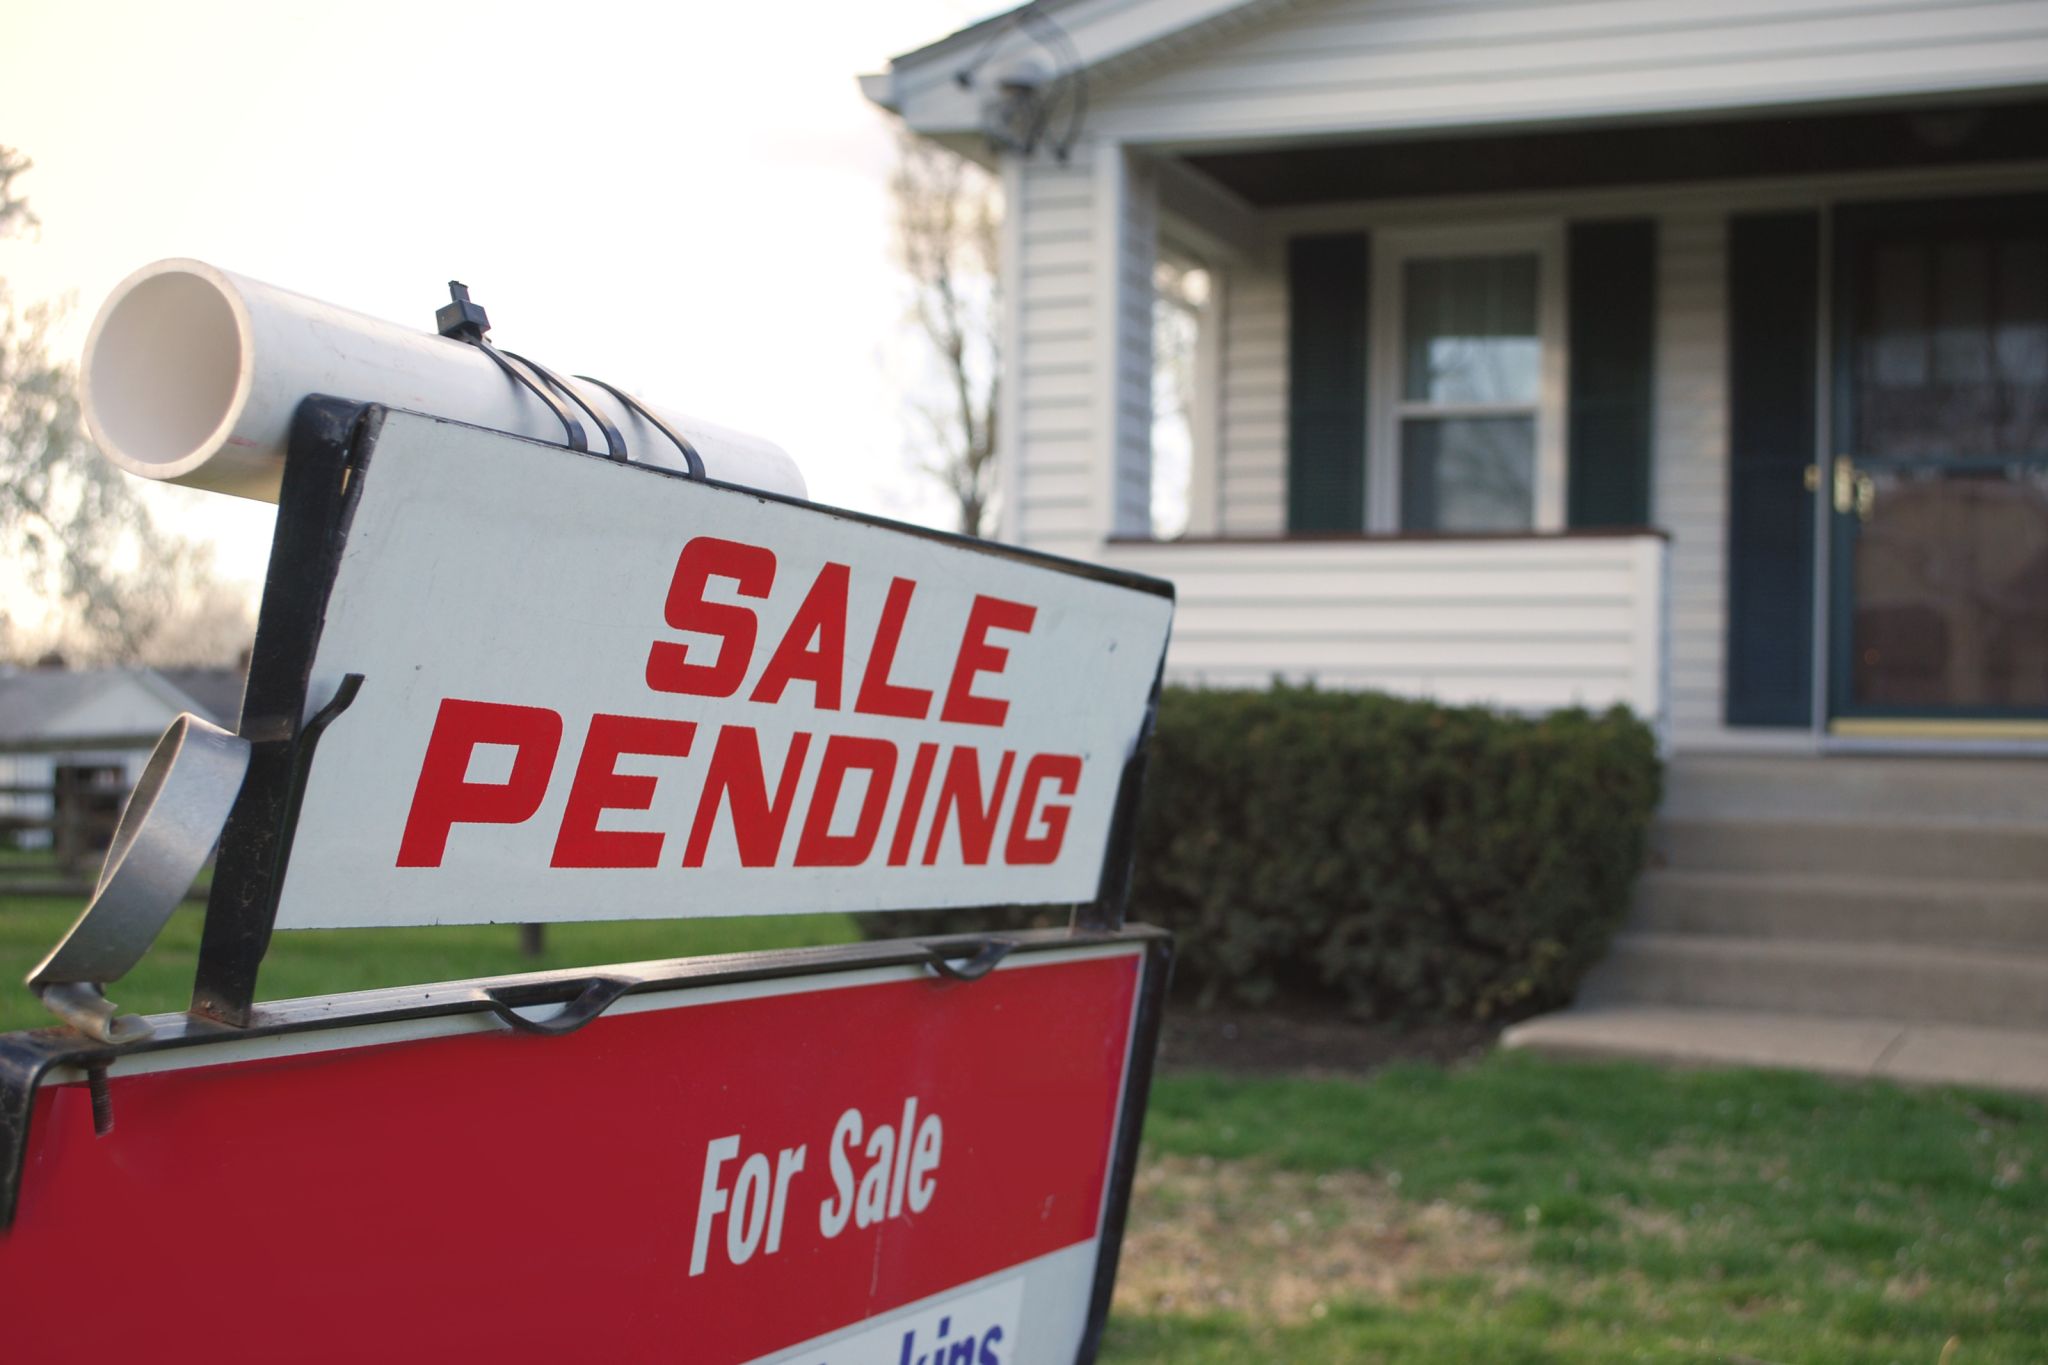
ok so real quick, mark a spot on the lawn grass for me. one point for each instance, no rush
(1709, 1215)
(320, 961)
(27, 860)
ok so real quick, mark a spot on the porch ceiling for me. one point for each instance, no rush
(1779, 145)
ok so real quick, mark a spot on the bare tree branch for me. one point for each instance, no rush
(14, 212)
(70, 524)
(948, 214)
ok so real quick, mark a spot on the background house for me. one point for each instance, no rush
(73, 743)
(1687, 356)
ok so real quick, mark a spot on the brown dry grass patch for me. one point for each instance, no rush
(1279, 1246)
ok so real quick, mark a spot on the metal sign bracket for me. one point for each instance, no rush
(167, 830)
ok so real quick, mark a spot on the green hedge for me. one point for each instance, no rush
(1408, 860)
(1403, 860)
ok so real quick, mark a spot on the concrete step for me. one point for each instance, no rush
(1913, 982)
(1842, 787)
(1873, 850)
(1797, 905)
(1885, 1048)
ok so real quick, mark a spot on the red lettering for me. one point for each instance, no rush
(1023, 849)
(960, 797)
(599, 787)
(818, 846)
(977, 655)
(736, 779)
(878, 696)
(913, 804)
(445, 797)
(752, 568)
(821, 617)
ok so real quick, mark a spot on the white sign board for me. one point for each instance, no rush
(602, 691)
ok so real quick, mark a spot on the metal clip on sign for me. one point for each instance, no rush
(599, 994)
(977, 960)
(168, 828)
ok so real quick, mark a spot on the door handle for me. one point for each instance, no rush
(1853, 491)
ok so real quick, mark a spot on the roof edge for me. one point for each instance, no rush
(1094, 36)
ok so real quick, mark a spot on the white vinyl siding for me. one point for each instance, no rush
(1049, 448)
(1689, 477)
(1524, 624)
(1362, 65)
(1251, 439)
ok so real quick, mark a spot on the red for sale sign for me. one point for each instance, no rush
(868, 1165)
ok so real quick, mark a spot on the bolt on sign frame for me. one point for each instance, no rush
(911, 1149)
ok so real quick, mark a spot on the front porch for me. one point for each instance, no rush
(1695, 362)
(1763, 459)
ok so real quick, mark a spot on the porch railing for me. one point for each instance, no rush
(1524, 622)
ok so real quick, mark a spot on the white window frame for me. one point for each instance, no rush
(1392, 249)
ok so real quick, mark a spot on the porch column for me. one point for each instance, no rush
(1075, 434)
(1126, 240)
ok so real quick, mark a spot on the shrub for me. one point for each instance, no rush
(1409, 860)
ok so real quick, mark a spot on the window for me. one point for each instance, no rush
(1181, 290)
(1468, 387)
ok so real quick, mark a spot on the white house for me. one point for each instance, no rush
(1687, 355)
(81, 737)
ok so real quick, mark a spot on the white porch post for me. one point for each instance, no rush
(1079, 240)
(1009, 519)
(1650, 674)
(1125, 241)
(1205, 464)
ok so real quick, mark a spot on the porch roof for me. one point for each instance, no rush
(1098, 38)
(1761, 145)
(1231, 76)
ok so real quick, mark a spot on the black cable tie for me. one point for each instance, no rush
(464, 321)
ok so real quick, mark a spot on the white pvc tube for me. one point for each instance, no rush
(192, 375)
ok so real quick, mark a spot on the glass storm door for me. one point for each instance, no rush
(1940, 492)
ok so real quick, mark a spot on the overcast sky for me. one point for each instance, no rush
(687, 200)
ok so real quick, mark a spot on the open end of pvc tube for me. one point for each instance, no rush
(167, 370)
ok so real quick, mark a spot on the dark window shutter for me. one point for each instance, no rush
(1326, 331)
(1612, 338)
(1773, 317)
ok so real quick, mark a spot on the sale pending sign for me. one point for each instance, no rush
(595, 691)
(860, 1165)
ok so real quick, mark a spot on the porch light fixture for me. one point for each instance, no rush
(1016, 116)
